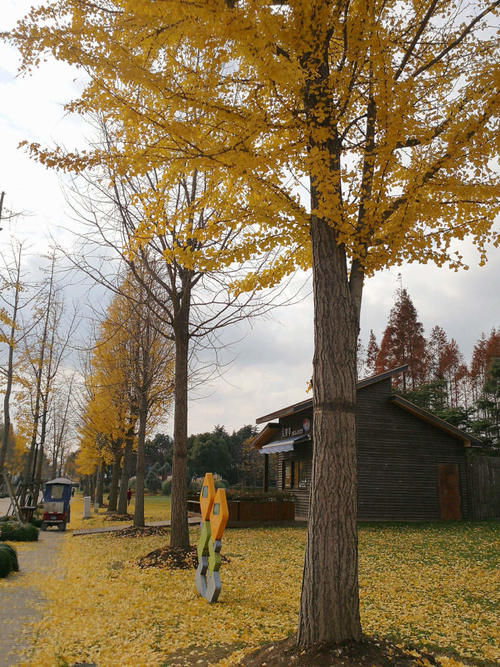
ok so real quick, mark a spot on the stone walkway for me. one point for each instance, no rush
(20, 606)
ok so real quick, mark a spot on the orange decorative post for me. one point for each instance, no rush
(214, 516)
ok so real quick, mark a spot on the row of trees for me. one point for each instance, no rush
(438, 377)
(383, 111)
(128, 387)
(36, 330)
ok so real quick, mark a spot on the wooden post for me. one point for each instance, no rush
(266, 472)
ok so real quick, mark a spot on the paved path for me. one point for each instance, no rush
(20, 606)
(4, 505)
(192, 521)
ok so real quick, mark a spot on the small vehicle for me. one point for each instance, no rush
(56, 500)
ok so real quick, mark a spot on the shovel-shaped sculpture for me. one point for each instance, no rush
(214, 516)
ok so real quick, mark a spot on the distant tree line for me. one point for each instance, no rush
(438, 377)
(230, 455)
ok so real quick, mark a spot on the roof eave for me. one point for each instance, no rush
(306, 404)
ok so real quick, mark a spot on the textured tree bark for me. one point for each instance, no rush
(127, 455)
(139, 475)
(99, 491)
(10, 367)
(179, 535)
(115, 476)
(329, 607)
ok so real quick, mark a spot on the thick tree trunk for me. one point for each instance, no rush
(179, 535)
(139, 475)
(115, 476)
(329, 607)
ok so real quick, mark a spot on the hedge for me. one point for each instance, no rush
(18, 532)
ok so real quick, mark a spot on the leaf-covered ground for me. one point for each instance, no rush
(156, 508)
(428, 585)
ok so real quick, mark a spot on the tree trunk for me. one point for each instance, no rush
(99, 491)
(329, 606)
(127, 459)
(8, 391)
(10, 363)
(179, 535)
(40, 456)
(127, 455)
(139, 475)
(38, 474)
(115, 476)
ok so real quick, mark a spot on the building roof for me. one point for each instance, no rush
(469, 440)
(304, 405)
(269, 431)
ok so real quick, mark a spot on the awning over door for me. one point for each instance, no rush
(285, 445)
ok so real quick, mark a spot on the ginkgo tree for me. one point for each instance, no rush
(129, 389)
(384, 111)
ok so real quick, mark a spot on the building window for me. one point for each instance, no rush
(300, 475)
(294, 475)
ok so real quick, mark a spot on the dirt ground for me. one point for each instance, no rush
(20, 604)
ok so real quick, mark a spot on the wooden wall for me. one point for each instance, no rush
(404, 463)
(484, 485)
(399, 460)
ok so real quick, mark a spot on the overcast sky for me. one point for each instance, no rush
(272, 363)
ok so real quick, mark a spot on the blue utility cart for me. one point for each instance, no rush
(56, 500)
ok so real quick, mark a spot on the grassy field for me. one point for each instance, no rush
(156, 508)
(428, 585)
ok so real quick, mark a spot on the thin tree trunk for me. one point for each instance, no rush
(99, 491)
(38, 473)
(139, 475)
(179, 534)
(40, 456)
(31, 461)
(10, 367)
(329, 607)
(127, 455)
(115, 476)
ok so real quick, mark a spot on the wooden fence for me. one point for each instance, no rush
(483, 473)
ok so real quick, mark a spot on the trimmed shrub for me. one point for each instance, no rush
(18, 532)
(166, 487)
(5, 563)
(12, 555)
(36, 522)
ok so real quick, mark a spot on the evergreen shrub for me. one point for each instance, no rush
(5, 563)
(18, 532)
(12, 555)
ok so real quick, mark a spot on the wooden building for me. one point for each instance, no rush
(411, 464)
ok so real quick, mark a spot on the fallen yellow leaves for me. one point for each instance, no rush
(156, 508)
(428, 586)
